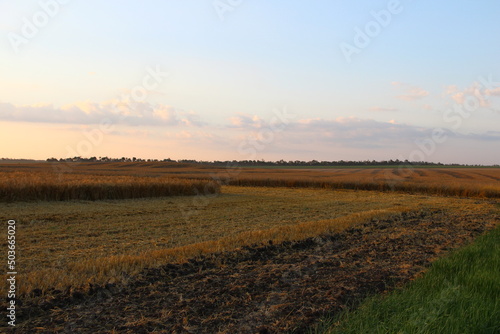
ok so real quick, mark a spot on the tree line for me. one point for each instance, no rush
(277, 163)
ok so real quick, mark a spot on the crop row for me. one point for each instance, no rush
(24, 186)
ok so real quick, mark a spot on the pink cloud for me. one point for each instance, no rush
(412, 93)
(493, 92)
(460, 96)
(245, 120)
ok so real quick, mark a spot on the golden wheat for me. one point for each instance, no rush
(26, 186)
(464, 182)
(354, 183)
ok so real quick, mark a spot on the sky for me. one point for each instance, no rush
(251, 80)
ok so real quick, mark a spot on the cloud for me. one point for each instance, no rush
(474, 92)
(246, 121)
(452, 89)
(383, 109)
(345, 137)
(412, 93)
(117, 112)
(493, 92)
(490, 136)
(368, 133)
(191, 136)
(165, 113)
(192, 119)
(356, 132)
(342, 131)
(133, 132)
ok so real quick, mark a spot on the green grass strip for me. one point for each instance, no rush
(459, 294)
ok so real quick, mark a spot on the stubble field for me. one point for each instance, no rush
(75, 251)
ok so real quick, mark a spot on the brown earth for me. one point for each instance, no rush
(261, 289)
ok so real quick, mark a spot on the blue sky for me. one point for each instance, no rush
(232, 65)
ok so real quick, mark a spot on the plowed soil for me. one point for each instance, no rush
(264, 289)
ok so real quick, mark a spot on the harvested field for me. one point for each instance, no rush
(76, 242)
(269, 289)
(268, 250)
(465, 182)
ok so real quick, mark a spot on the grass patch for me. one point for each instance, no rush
(459, 294)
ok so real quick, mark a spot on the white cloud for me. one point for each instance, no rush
(117, 112)
(412, 93)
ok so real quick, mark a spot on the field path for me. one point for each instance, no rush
(267, 289)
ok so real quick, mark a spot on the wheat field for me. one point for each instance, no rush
(104, 222)
(465, 182)
(44, 186)
(77, 243)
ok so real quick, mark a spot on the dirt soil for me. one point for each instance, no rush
(267, 289)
